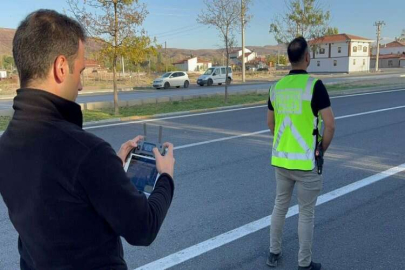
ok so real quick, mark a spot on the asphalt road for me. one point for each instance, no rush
(224, 181)
(198, 90)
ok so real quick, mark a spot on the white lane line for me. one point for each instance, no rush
(221, 111)
(267, 130)
(222, 139)
(368, 93)
(230, 236)
(173, 117)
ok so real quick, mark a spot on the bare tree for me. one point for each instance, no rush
(225, 16)
(116, 24)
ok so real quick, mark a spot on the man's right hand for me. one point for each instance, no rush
(165, 164)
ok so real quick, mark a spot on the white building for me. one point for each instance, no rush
(236, 55)
(3, 74)
(402, 62)
(395, 47)
(340, 53)
(391, 55)
(192, 65)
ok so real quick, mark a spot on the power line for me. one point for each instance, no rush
(180, 32)
(185, 35)
(178, 29)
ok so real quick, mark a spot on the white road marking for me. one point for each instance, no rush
(221, 139)
(172, 117)
(267, 130)
(368, 93)
(230, 236)
(220, 111)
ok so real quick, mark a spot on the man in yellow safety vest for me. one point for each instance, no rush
(297, 105)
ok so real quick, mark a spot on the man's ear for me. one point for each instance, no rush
(308, 57)
(60, 68)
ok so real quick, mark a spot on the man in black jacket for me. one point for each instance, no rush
(66, 191)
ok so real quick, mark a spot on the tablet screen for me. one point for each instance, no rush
(143, 173)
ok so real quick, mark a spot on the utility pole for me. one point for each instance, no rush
(278, 56)
(123, 66)
(243, 39)
(378, 24)
(165, 56)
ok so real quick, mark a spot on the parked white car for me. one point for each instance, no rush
(215, 75)
(174, 78)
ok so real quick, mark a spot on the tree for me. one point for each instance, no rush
(401, 37)
(8, 63)
(225, 16)
(305, 18)
(138, 49)
(277, 59)
(115, 24)
(332, 31)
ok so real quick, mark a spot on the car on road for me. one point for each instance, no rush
(215, 75)
(172, 79)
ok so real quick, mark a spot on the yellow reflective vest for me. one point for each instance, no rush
(294, 137)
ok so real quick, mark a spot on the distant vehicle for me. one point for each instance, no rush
(215, 75)
(263, 69)
(174, 78)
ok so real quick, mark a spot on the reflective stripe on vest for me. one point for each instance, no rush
(292, 110)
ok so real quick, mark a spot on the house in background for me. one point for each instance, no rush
(389, 61)
(395, 47)
(236, 56)
(3, 74)
(92, 66)
(392, 55)
(193, 64)
(340, 53)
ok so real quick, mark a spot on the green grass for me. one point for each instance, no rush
(168, 107)
(176, 106)
(4, 120)
(338, 87)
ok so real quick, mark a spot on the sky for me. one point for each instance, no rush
(174, 21)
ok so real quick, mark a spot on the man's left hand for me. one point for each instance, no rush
(127, 147)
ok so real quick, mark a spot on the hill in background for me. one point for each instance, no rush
(6, 40)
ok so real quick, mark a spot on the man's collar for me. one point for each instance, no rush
(297, 71)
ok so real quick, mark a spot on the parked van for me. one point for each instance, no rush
(215, 75)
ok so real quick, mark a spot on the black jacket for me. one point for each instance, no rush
(66, 191)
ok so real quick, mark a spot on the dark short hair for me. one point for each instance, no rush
(296, 50)
(40, 38)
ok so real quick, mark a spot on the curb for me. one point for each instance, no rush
(145, 117)
(134, 118)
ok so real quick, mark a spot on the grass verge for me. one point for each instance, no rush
(168, 107)
(4, 120)
(176, 106)
(339, 87)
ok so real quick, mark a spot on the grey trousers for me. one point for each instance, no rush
(309, 185)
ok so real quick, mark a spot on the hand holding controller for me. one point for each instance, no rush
(165, 159)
